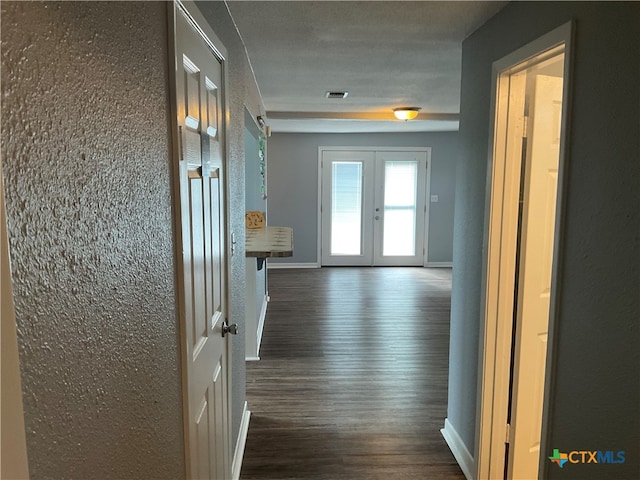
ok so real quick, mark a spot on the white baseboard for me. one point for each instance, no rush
(459, 449)
(439, 265)
(238, 455)
(292, 265)
(263, 315)
(252, 359)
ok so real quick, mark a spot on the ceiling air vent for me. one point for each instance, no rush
(336, 94)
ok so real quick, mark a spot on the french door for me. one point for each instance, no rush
(373, 206)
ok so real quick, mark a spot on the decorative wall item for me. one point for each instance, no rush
(254, 219)
(262, 141)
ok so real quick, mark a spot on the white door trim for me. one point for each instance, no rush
(13, 444)
(324, 148)
(495, 334)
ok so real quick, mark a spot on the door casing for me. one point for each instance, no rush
(496, 327)
(13, 445)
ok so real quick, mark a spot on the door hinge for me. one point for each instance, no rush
(507, 432)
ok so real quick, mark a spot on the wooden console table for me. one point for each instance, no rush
(269, 242)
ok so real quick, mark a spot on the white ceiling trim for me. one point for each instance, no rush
(333, 125)
(370, 116)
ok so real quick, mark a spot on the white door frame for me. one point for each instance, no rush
(13, 444)
(202, 27)
(497, 297)
(322, 149)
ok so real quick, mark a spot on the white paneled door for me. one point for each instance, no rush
(544, 98)
(373, 207)
(202, 267)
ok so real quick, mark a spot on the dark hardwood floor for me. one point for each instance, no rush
(352, 381)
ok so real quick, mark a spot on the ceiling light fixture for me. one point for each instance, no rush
(406, 113)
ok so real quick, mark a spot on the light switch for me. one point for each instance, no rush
(434, 198)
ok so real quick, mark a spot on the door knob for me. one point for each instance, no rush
(377, 217)
(232, 329)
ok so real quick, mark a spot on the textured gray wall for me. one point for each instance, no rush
(595, 398)
(293, 185)
(86, 167)
(243, 92)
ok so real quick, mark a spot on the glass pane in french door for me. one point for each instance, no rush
(346, 208)
(400, 205)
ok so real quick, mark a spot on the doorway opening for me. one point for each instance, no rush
(521, 265)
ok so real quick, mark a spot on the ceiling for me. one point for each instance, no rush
(385, 54)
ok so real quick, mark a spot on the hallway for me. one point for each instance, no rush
(352, 381)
